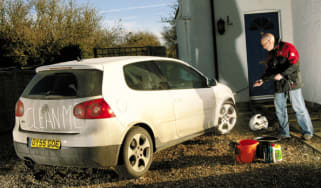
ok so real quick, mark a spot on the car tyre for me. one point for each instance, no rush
(227, 118)
(136, 154)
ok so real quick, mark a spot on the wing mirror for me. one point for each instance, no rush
(211, 82)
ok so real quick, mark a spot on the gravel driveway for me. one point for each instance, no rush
(205, 161)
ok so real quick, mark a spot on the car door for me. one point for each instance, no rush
(193, 99)
(149, 100)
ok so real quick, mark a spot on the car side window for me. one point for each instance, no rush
(145, 76)
(180, 76)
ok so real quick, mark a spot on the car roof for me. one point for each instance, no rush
(99, 63)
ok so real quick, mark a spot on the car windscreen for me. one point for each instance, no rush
(62, 84)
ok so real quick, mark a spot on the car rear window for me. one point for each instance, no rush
(63, 84)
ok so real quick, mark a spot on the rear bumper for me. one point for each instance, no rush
(83, 157)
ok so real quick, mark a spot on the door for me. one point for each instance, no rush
(149, 100)
(193, 99)
(255, 26)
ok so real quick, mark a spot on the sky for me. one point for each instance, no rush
(134, 15)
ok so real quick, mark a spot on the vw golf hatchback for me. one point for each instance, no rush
(116, 111)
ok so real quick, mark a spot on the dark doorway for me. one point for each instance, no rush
(255, 26)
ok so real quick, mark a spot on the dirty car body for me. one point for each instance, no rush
(116, 111)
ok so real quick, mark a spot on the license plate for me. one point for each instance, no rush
(44, 143)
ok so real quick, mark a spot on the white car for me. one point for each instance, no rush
(116, 111)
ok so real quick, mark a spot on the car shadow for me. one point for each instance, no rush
(190, 161)
(272, 176)
(6, 147)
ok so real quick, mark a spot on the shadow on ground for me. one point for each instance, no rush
(303, 176)
(206, 161)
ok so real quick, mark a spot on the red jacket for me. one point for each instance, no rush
(284, 60)
(288, 51)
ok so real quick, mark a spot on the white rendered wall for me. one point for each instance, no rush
(183, 31)
(195, 38)
(232, 55)
(307, 39)
(195, 35)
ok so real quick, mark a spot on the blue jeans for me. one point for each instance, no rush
(298, 105)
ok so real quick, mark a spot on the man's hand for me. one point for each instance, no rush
(258, 83)
(278, 77)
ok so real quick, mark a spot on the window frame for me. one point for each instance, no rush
(159, 63)
(80, 92)
(191, 70)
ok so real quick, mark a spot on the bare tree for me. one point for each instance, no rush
(36, 31)
(140, 39)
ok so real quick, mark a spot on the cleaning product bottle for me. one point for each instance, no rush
(276, 153)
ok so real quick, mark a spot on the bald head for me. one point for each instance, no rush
(267, 41)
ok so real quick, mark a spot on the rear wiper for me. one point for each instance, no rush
(48, 93)
(52, 93)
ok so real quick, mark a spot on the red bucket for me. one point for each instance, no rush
(246, 150)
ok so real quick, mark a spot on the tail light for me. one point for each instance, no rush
(93, 109)
(19, 109)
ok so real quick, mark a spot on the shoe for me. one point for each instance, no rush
(282, 136)
(307, 137)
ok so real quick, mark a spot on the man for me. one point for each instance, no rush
(283, 67)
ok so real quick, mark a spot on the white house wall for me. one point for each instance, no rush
(307, 38)
(183, 32)
(195, 35)
(231, 46)
(300, 23)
